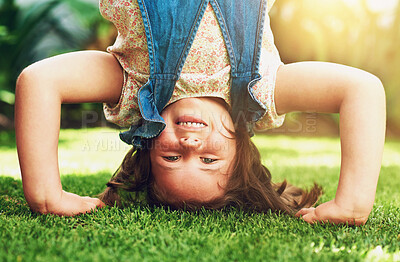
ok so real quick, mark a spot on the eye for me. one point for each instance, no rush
(171, 158)
(208, 160)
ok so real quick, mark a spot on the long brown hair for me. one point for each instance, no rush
(249, 186)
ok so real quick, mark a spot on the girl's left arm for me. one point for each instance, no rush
(359, 97)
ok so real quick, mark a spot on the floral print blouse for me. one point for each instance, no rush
(206, 72)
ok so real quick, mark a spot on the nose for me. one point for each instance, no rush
(190, 142)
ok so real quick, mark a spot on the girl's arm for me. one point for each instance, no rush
(359, 97)
(79, 77)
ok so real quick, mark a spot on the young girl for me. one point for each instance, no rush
(193, 79)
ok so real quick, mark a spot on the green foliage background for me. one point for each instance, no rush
(34, 30)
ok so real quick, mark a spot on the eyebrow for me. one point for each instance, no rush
(206, 169)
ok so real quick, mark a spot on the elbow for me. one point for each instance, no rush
(371, 88)
(377, 98)
(366, 92)
(24, 79)
(27, 80)
(34, 81)
(25, 92)
(34, 88)
(376, 88)
(24, 86)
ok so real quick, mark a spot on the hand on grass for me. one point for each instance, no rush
(331, 212)
(70, 204)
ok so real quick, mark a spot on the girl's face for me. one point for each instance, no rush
(191, 159)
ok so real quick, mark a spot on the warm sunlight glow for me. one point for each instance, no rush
(381, 5)
(374, 5)
(325, 29)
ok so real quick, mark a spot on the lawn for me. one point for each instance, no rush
(140, 232)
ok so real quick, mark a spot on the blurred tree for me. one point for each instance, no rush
(345, 32)
(37, 30)
(341, 31)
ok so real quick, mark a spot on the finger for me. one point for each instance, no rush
(310, 218)
(83, 208)
(304, 211)
(96, 201)
(90, 207)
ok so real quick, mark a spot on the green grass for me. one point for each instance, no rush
(144, 233)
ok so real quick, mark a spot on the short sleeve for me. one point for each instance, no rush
(264, 89)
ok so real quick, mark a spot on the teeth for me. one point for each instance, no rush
(190, 124)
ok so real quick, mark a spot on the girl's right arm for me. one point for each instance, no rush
(79, 77)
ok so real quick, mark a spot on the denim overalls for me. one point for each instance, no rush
(171, 27)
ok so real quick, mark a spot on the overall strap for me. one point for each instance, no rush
(242, 24)
(170, 28)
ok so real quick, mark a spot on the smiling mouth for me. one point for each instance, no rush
(191, 124)
(191, 121)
